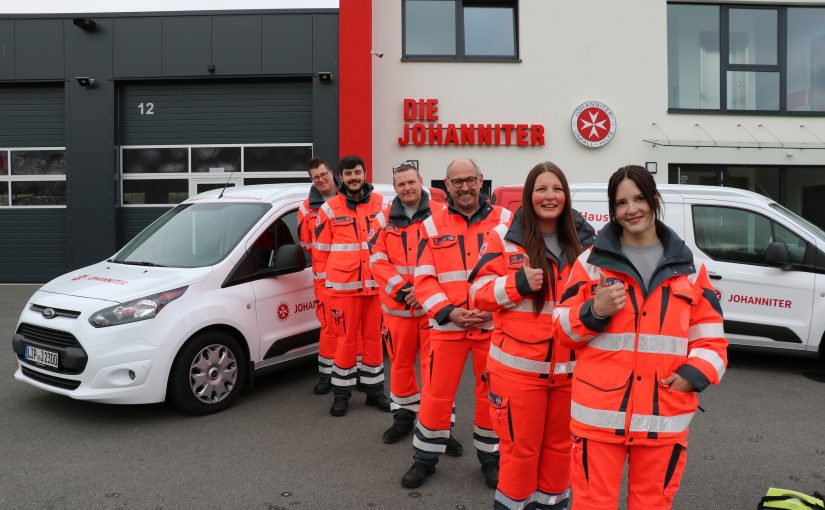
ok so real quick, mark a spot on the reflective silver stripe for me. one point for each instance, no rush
(371, 284)
(711, 357)
(303, 210)
(597, 417)
(328, 210)
(501, 230)
(562, 314)
(425, 270)
(484, 432)
(410, 407)
(519, 363)
(325, 361)
(480, 283)
(508, 246)
(372, 380)
(343, 382)
(505, 215)
(345, 247)
(663, 344)
(512, 504)
(500, 291)
(614, 342)
(381, 220)
(707, 330)
(432, 434)
(428, 447)
(666, 424)
(446, 327)
(485, 447)
(543, 498)
(405, 269)
(365, 245)
(370, 369)
(319, 276)
(324, 370)
(452, 276)
(429, 227)
(378, 256)
(343, 286)
(343, 371)
(416, 312)
(412, 399)
(434, 300)
(321, 246)
(392, 282)
(564, 368)
(526, 305)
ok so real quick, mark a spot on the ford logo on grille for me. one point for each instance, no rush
(48, 313)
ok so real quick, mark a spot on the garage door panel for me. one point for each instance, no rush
(36, 253)
(32, 116)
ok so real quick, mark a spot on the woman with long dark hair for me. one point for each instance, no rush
(647, 329)
(519, 277)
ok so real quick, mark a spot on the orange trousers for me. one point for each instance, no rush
(532, 421)
(654, 475)
(355, 316)
(327, 339)
(406, 338)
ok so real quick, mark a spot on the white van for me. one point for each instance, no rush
(213, 291)
(767, 263)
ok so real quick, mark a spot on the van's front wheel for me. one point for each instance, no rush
(208, 374)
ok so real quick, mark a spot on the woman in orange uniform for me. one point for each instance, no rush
(647, 329)
(519, 277)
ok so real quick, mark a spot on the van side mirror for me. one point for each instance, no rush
(289, 259)
(776, 254)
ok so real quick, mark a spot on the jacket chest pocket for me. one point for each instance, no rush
(679, 304)
(341, 223)
(445, 242)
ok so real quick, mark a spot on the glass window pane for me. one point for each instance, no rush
(763, 180)
(685, 174)
(4, 163)
(38, 162)
(157, 160)
(693, 56)
(733, 235)
(4, 194)
(749, 90)
(277, 159)
(806, 59)
(753, 36)
(38, 193)
(796, 245)
(488, 31)
(216, 159)
(429, 27)
(275, 180)
(805, 189)
(161, 191)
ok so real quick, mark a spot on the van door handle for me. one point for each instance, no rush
(714, 276)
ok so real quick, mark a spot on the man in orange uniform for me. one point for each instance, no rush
(407, 331)
(449, 249)
(346, 223)
(324, 187)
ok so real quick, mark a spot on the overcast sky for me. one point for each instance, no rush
(101, 6)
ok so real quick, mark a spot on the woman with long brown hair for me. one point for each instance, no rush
(519, 277)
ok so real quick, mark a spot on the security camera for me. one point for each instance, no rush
(86, 82)
(377, 54)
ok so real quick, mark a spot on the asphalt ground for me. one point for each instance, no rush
(279, 448)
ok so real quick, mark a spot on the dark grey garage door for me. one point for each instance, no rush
(33, 226)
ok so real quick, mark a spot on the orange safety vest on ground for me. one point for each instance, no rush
(675, 325)
(344, 228)
(522, 345)
(448, 251)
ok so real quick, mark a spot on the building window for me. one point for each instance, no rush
(739, 58)
(168, 175)
(460, 30)
(33, 177)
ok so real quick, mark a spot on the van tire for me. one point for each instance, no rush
(208, 374)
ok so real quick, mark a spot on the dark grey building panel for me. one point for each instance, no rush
(131, 220)
(35, 245)
(220, 112)
(38, 47)
(236, 44)
(137, 47)
(6, 49)
(32, 115)
(325, 59)
(187, 45)
(288, 43)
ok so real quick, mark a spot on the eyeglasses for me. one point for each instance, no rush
(407, 165)
(320, 177)
(469, 181)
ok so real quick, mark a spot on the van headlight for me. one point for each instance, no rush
(136, 310)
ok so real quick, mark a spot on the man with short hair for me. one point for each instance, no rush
(406, 329)
(451, 243)
(324, 187)
(346, 223)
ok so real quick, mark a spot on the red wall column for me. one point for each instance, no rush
(355, 80)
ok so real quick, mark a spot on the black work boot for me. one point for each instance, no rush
(416, 475)
(380, 401)
(324, 385)
(339, 406)
(490, 471)
(402, 425)
(454, 448)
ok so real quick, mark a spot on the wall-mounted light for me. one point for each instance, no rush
(651, 167)
(376, 54)
(87, 24)
(325, 77)
(86, 82)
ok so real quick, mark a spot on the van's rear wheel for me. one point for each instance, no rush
(208, 374)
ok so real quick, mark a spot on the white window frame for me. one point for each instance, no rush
(9, 178)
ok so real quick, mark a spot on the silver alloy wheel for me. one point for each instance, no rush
(213, 373)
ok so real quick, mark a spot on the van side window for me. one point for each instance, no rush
(279, 233)
(737, 235)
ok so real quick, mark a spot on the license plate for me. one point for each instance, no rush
(40, 356)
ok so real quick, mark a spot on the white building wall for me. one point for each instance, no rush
(571, 52)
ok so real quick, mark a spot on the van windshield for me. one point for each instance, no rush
(815, 230)
(192, 235)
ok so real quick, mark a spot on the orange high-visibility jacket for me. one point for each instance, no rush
(307, 221)
(522, 342)
(394, 252)
(341, 236)
(447, 252)
(675, 325)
